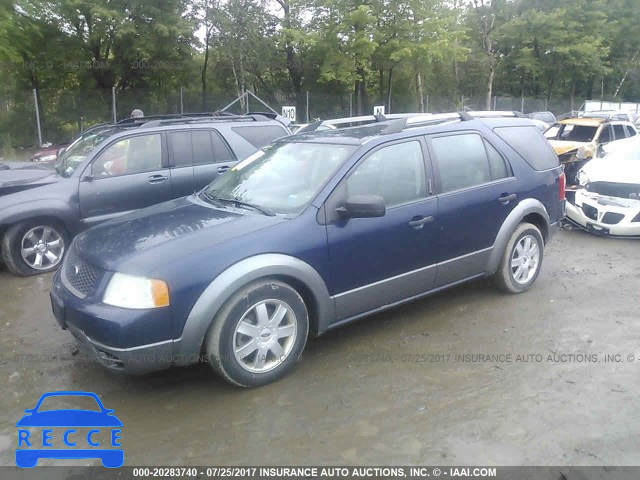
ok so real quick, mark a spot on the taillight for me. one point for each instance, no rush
(562, 186)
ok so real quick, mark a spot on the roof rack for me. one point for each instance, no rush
(202, 118)
(399, 121)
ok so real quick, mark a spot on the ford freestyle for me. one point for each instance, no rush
(311, 232)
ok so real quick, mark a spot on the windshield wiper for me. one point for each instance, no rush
(240, 203)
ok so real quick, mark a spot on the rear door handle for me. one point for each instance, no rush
(157, 178)
(223, 169)
(419, 222)
(505, 198)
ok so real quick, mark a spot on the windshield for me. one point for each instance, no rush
(76, 153)
(571, 133)
(281, 178)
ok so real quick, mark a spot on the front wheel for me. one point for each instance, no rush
(30, 248)
(259, 334)
(521, 261)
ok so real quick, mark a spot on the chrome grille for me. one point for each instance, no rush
(78, 276)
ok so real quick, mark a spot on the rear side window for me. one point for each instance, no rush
(202, 149)
(221, 151)
(618, 131)
(465, 161)
(630, 131)
(180, 148)
(531, 146)
(259, 136)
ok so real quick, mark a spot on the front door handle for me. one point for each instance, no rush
(419, 222)
(157, 178)
(223, 169)
(505, 198)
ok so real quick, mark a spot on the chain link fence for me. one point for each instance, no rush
(65, 113)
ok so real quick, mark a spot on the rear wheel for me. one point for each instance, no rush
(30, 248)
(259, 334)
(521, 260)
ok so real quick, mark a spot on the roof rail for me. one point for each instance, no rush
(202, 118)
(409, 120)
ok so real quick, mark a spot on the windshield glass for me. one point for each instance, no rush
(572, 133)
(281, 178)
(75, 154)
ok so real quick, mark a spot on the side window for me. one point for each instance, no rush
(530, 145)
(462, 161)
(202, 149)
(619, 132)
(180, 147)
(221, 152)
(497, 164)
(605, 135)
(142, 153)
(630, 131)
(260, 135)
(396, 173)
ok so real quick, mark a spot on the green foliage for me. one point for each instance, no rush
(398, 52)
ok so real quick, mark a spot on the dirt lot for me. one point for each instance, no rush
(405, 387)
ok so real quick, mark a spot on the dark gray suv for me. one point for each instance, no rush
(115, 169)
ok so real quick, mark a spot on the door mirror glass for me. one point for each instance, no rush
(363, 206)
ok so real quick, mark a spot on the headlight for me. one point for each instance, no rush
(128, 291)
(583, 179)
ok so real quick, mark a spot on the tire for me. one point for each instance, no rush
(509, 278)
(28, 247)
(255, 317)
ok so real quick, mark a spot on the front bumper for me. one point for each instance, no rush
(604, 216)
(119, 339)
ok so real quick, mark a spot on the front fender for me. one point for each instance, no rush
(524, 208)
(41, 208)
(188, 347)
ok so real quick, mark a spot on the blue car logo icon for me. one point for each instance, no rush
(32, 447)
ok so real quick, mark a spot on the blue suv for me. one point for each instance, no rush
(309, 233)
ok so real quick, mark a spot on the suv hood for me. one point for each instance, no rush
(137, 242)
(562, 146)
(17, 176)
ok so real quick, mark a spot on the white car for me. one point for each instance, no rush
(608, 200)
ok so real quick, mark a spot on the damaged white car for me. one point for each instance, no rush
(607, 202)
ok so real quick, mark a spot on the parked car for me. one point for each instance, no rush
(608, 200)
(309, 233)
(116, 169)
(48, 153)
(578, 140)
(611, 115)
(546, 117)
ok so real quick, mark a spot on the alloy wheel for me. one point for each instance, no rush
(42, 247)
(265, 336)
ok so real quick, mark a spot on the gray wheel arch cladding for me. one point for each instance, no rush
(188, 347)
(524, 208)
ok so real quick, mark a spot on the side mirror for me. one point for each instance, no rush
(61, 150)
(362, 206)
